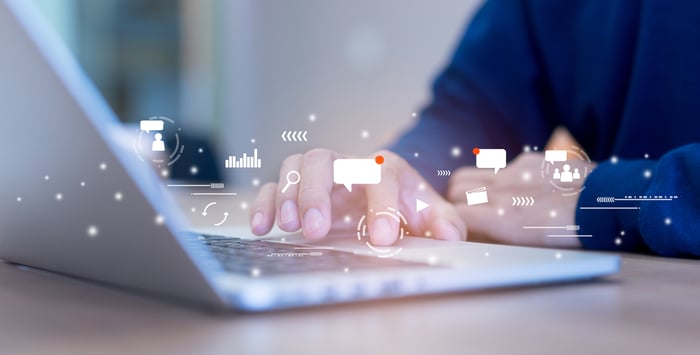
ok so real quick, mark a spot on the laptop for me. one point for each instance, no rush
(66, 162)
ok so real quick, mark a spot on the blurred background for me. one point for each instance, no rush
(235, 74)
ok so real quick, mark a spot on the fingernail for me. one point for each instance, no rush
(256, 222)
(313, 220)
(257, 219)
(288, 214)
(382, 232)
(452, 233)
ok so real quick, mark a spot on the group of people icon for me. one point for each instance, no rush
(566, 175)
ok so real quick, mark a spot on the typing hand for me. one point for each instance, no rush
(500, 221)
(317, 205)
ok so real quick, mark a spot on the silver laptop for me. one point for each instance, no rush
(65, 163)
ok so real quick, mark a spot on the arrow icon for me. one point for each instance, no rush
(421, 205)
(294, 136)
(523, 201)
(204, 213)
(223, 220)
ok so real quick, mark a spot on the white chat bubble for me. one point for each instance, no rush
(350, 172)
(554, 155)
(151, 125)
(491, 159)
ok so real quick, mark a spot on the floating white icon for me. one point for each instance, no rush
(490, 159)
(350, 172)
(477, 196)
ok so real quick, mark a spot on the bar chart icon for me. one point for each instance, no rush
(244, 162)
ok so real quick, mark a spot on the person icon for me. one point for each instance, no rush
(577, 174)
(158, 144)
(557, 175)
(566, 175)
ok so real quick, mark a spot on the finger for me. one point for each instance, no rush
(444, 222)
(482, 220)
(384, 226)
(286, 202)
(262, 213)
(314, 193)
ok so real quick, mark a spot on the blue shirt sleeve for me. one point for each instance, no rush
(668, 228)
(492, 94)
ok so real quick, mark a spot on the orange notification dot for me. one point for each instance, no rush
(379, 159)
(475, 151)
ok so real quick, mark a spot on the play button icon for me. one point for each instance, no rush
(421, 205)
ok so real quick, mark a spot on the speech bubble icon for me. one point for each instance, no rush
(350, 172)
(490, 159)
(554, 155)
(151, 125)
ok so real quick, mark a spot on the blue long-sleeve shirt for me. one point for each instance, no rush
(622, 76)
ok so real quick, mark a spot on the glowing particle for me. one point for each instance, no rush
(364, 134)
(526, 176)
(118, 196)
(428, 234)
(19, 199)
(159, 220)
(312, 118)
(194, 170)
(103, 166)
(46, 177)
(535, 148)
(346, 270)
(421, 186)
(255, 182)
(646, 156)
(486, 254)
(252, 140)
(526, 148)
(59, 196)
(82, 183)
(193, 210)
(622, 233)
(92, 231)
(647, 173)
(200, 150)
(244, 205)
(415, 154)
(552, 214)
(347, 218)
(432, 260)
(557, 255)
(413, 114)
(283, 239)
(254, 272)
(618, 241)
(667, 221)
(501, 212)
(456, 152)
(613, 159)
(164, 173)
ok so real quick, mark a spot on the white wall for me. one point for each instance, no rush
(357, 65)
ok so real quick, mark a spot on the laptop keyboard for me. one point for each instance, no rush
(259, 258)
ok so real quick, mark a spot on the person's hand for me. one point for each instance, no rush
(500, 221)
(316, 205)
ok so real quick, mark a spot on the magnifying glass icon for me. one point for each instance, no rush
(293, 178)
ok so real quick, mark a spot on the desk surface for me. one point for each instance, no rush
(652, 306)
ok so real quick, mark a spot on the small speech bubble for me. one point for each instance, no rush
(554, 155)
(350, 172)
(490, 159)
(151, 125)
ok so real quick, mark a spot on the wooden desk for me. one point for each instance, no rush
(653, 306)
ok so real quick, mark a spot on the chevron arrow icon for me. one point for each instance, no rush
(295, 136)
(523, 201)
